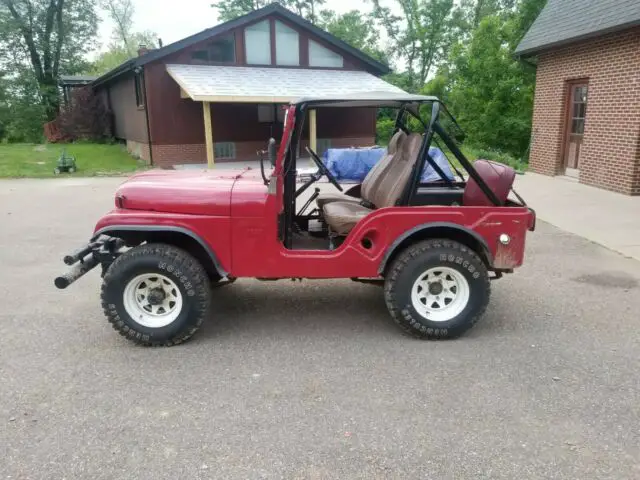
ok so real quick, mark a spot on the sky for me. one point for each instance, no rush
(173, 20)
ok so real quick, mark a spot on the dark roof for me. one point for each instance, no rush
(566, 21)
(76, 79)
(273, 8)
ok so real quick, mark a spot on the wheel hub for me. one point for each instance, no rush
(435, 288)
(440, 294)
(156, 296)
(152, 300)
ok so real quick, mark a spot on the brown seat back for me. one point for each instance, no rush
(394, 178)
(371, 181)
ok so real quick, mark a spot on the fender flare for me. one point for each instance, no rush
(425, 227)
(172, 229)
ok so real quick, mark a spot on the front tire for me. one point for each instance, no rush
(437, 289)
(156, 294)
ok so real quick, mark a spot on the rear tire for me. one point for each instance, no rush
(156, 294)
(437, 289)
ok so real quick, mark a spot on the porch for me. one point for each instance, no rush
(242, 107)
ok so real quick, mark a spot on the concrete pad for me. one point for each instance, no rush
(607, 218)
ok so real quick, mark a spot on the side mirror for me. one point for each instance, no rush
(271, 151)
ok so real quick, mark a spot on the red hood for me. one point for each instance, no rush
(196, 192)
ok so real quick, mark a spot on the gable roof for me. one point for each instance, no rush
(272, 8)
(566, 21)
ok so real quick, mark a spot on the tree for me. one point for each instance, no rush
(50, 37)
(230, 9)
(121, 12)
(421, 35)
(125, 41)
(491, 91)
(354, 28)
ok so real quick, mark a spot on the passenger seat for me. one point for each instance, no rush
(383, 191)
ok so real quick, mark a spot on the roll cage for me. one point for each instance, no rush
(423, 111)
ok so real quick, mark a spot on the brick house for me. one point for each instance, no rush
(586, 120)
(218, 95)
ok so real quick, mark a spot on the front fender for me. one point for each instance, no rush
(201, 230)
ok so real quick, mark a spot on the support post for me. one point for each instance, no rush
(208, 134)
(313, 132)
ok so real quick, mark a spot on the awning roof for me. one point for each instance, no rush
(210, 83)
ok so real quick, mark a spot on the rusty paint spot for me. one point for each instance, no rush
(505, 258)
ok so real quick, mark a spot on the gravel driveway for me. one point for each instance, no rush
(311, 380)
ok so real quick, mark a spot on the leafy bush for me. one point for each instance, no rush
(500, 157)
(384, 130)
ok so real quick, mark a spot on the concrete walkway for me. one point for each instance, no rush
(607, 218)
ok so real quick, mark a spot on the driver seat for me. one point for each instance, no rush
(383, 192)
(372, 178)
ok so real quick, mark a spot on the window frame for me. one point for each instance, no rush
(224, 146)
(138, 85)
(207, 48)
(277, 22)
(319, 44)
(269, 23)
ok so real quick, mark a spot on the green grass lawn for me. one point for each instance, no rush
(27, 160)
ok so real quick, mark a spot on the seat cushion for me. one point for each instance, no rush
(331, 197)
(343, 216)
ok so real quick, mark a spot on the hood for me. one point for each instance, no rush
(194, 192)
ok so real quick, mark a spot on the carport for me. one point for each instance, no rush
(262, 85)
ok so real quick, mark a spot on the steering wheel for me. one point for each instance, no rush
(323, 169)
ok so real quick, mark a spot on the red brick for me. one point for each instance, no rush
(610, 155)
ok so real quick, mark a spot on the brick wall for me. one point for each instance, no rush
(610, 153)
(167, 155)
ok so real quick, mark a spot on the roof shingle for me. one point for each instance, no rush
(264, 84)
(566, 21)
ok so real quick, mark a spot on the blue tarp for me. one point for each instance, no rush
(429, 174)
(353, 164)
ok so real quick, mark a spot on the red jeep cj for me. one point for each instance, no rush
(434, 246)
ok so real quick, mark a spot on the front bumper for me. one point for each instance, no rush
(102, 249)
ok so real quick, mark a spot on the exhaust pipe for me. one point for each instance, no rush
(86, 264)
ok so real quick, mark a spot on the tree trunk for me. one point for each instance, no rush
(49, 97)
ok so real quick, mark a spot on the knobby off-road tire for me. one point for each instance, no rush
(437, 289)
(156, 294)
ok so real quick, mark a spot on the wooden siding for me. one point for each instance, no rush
(130, 122)
(174, 120)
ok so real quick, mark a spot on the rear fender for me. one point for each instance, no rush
(444, 230)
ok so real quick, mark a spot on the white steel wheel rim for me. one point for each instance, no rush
(152, 300)
(440, 294)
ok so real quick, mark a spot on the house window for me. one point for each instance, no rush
(139, 86)
(257, 40)
(220, 50)
(270, 113)
(266, 113)
(224, 149)
(320, 56)
(287, 45)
